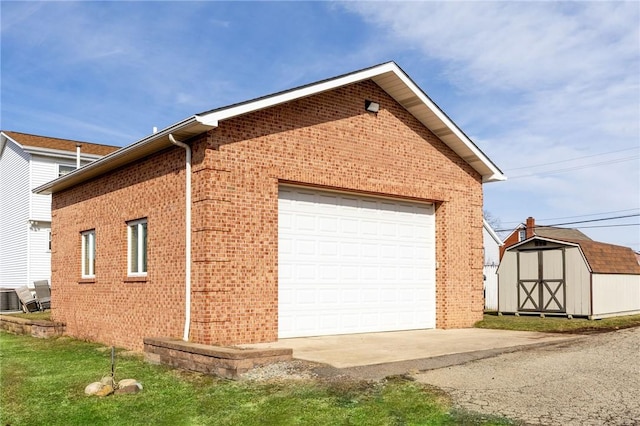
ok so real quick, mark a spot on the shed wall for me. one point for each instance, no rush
(578, 283)
(615, 295)
(508, 283)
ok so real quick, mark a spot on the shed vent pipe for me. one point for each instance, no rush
(187, 267)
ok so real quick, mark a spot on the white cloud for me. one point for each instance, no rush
(536, 82)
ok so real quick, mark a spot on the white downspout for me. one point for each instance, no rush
(187, 268)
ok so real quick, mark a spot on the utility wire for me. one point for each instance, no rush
(609, 226)
(595, 220)
(581, 215)
(580, 221)
(571, 169)
(571, 159)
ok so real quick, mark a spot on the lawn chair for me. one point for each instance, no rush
(43, 294)
(29, 303)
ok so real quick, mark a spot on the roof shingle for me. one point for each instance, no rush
(26, 139)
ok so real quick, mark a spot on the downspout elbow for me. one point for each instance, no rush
(187, 319)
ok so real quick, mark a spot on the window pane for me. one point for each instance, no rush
(133, 248)
(85, 254)
(144, 246)
(88, 253)
(92, 253)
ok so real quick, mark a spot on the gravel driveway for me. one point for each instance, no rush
(590, 381)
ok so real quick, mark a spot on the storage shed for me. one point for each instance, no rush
(575, 278)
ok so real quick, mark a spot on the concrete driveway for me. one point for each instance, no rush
(377, 355)
(590, 381)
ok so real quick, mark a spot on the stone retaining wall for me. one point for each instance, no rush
(224, 362)
(35, 328)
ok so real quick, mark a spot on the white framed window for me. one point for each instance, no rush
(137, 247)
(63, 170)
(89, 253)
(522, 235)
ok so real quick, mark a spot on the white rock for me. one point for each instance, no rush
(93, 388)
(128, 382)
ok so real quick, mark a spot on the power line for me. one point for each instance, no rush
(572, 159)
(595, 220)
(609, 226)
(581, 221)
(581, 215)
(571, 169)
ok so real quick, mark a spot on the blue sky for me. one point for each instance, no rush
(550, 91)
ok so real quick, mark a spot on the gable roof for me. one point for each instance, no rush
(491, 232)
(567, 234)
(601, 258)
(388, 76)
(47, 144)
(552, 232)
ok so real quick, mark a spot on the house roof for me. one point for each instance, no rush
(492, 233)
(388, 76)
(568, 234)
(602, 258)
(551, 232)
(47, 143)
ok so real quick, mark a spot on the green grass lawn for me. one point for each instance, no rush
(43, 381)
(557, 324)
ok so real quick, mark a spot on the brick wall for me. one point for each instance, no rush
(327, 140)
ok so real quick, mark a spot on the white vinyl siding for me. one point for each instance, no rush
(39, 253)
(615, 294)
(353, 264)
(88, 254)
(137, 247)
(14, 211)
(43, 170)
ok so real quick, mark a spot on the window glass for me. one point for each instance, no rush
(88, 253)
(63, 170)
(137, 256)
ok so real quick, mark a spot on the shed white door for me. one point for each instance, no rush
(353, 264)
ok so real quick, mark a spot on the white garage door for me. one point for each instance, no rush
(353, 264)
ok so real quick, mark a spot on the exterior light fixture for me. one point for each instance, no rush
(371, 106)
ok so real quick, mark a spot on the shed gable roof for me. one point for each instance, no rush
(27, 140)
(602, 258)
(388, 76)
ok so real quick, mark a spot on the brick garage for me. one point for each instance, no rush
(317, 136)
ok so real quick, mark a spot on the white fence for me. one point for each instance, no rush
(491, 287)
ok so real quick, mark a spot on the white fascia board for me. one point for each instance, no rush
(550, 240)
(496, 175)
(4, 138)
(58, 153)
(489, 172)
(146, 146)
(492, 232)
(291, 95)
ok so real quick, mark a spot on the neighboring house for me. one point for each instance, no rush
(27, 161)
(491, 245)
(573, 277)
(349, 205)
(529, 229)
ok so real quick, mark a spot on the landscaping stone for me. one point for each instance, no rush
(127, 382)
(93, 388)
(106, 390)
(108, 381)
(135, 388)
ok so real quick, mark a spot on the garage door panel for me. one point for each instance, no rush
(351, 264)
